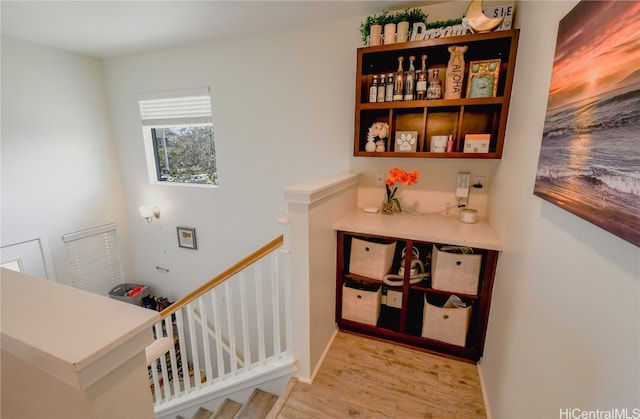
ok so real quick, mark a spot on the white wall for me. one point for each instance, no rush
(564, 330)
(283, 114)
(59, 167)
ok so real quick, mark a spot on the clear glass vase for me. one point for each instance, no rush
(389, 207)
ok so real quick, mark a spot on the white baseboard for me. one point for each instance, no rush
(320, 362)
(483, 388)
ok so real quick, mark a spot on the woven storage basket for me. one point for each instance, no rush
(448, 325)
(371, 259)
(455, 272)
(361, 305)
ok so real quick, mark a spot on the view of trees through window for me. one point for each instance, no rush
(185, 154)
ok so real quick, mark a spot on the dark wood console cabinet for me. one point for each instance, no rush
(403, 316)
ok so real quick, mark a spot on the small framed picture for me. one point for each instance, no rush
(406, 140)
(187, 238)
(483, 78)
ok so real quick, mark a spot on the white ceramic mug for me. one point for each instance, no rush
(439, 143)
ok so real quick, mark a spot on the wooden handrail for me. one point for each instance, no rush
(220, 278)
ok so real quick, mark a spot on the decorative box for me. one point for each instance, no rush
(448, 325)
(394, 299)
(406, 141)
(455, 270)
(476, 143)
(371, 259)
(361, 303)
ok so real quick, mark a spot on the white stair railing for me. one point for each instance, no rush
(231, 328)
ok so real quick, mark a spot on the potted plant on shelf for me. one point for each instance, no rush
(397, 26)
(402, 25)
(389, 33)
(371, 28)
(415, 16)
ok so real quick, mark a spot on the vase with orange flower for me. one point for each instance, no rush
(391, 203)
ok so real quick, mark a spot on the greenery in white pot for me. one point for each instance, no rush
(365, 26)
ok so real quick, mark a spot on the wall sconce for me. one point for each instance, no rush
(149, 213)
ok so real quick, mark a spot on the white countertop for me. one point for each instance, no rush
(428, 228)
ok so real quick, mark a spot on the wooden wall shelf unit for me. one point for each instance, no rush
(403, 319)
(456, 117)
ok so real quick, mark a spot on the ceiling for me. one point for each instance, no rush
(112, 28)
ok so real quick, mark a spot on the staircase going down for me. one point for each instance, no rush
(257, 407)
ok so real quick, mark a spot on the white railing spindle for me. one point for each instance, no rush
(245, 321)
(260, 313)
(184, 361)
(275, 298)
(206, 346)
(233, 355)
(285, 278)
(163, 364)
(157, 393)
(169, 328)
(195, 358)
(218, 334)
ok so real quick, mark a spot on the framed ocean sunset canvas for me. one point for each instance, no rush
(589, 159)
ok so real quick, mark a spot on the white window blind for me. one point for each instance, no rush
(94, 259)
(184, 107)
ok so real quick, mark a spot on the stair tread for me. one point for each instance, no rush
(202, 413)
(282, 398)
(228, 410)
(258, 406)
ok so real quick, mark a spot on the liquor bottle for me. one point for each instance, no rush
(398, 86)
(421, 80)
(434, 91)
(410, 80)
(381, 88)
(388, 94)
(373, 90)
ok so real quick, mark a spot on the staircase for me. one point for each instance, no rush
(259, 405)
(225, 339)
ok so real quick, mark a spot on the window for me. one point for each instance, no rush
(178, 133)
(94, 259)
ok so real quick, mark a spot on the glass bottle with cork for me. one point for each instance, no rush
(398, 86)
(410, 80)
(381, 88)
(373, 90)
(421, 80)
(434, 91)
(388, 95)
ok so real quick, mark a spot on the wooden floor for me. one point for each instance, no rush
(363, 377)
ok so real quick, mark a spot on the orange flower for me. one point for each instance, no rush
(400, 176)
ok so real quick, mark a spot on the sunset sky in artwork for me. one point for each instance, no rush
(597, 50)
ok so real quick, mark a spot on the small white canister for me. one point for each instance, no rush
(468, 215)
